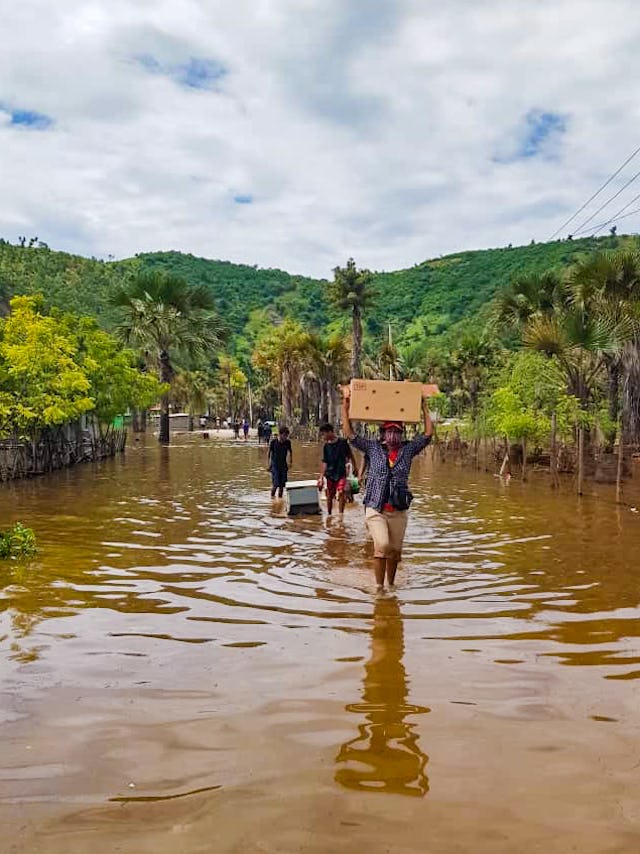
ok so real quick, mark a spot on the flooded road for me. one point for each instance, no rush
(185, 669)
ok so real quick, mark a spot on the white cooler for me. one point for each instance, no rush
(302, 497)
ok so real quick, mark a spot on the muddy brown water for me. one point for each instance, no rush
(185, 669)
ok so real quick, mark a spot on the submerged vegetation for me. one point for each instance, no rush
(17, 542)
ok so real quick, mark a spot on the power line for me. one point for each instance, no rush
(594, 229)
(608, 202)
(597, 193)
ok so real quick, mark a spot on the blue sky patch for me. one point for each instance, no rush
(27, 118)
(541, 128)
(243, 199)
(195, 73)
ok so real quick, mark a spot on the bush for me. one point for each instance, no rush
(17, 541)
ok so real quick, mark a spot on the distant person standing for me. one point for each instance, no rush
(245, 428)
(267, 432)
(260, 430)
(336, 454)
(387, 496)
(278, 461)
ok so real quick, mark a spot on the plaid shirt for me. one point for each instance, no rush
(380, 474)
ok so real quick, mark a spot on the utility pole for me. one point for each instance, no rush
(390, 354)
(250, 404)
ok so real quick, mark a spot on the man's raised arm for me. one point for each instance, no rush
(347, 426)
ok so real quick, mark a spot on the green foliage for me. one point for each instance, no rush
(532, 387)
(425, 302)
(55, 368)
(116, 383)
(70, 282)
(440, 403)
(17, 542)
(41, 382)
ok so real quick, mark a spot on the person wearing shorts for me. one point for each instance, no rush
(336, 455)
(387, 493)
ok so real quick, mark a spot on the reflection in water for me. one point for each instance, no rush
(385, 757)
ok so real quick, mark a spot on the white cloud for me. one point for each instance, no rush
(373, 128)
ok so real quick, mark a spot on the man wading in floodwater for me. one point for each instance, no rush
(387, 497)
(278, 461)
(335, 456)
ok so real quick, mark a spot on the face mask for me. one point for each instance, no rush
(392, 438)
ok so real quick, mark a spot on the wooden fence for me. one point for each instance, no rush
(57, 449)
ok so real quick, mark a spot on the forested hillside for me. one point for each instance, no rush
(424, 300)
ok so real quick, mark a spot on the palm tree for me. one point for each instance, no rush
(228, 366)
(608, 284)
(469, 364)
(192, 390)
(529, 296)
(330, 356)
(162, 315)
(284, 352)
(390, 361)
(351, 290)
(579, 340)
(414, 362)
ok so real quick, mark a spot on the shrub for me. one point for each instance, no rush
(17, 541)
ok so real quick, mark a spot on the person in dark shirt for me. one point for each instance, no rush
(336, 454)
(387, 495)
(278, 461)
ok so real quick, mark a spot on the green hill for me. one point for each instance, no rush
(427, 299)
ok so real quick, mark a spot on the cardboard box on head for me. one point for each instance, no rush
(383, 400)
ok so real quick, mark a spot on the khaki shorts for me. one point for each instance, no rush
(387, 530)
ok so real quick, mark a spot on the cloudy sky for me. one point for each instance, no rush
(295, 133)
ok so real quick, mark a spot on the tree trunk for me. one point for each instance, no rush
(631, 393)
(287, 397)
(524, 458)
(580, 459)
(619, 471)
(553, 458)
(304, 403)
(165, 377)
(324, 400)
(613, 368)
(139, 421)
(613, 389)
(334, 407)
(356, 353)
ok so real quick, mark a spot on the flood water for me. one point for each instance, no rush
(185, 669)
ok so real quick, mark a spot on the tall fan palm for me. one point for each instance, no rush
(608, 285)
(390, 361)
(192, 390)
(335, 370)
(283, 353)
(527, 297)
(163, 315)
(351, 290)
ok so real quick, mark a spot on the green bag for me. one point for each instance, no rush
(354, 483)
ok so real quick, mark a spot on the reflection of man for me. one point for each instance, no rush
(385, 757)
